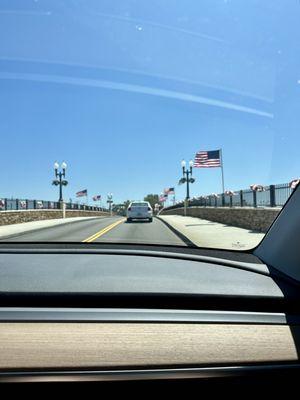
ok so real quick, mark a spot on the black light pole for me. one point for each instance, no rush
(110, 201)
(60, 181)
(187, 178)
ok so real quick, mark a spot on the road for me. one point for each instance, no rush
(109, 229)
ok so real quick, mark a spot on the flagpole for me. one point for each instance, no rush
(222, 170)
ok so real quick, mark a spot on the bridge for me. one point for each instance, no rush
(232, 220)
(98, 227)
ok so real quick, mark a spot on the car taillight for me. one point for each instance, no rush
(129, 209)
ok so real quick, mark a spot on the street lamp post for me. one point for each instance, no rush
(60, 180)
(187, 178)
(110, 201)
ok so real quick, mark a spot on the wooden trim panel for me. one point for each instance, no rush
(86, 345)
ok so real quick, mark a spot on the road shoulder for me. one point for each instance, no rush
(209, 234)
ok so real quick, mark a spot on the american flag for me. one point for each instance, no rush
(207, 159)
(81, 193)
(163, 198)
(97, 197)
(170, 190)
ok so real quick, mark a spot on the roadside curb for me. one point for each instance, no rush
(181, 236)
(46, 227)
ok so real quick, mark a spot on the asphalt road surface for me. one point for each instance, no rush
(109, 229)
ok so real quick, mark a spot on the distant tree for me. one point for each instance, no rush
(126, 204)
(152, 198)
(121, 208)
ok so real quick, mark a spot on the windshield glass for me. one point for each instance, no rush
(192, 106)
(139, 204)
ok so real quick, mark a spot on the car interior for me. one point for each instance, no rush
(149, 197)
(202, 318)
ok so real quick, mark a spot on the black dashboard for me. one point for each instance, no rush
(103, 315)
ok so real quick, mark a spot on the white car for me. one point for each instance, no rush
(139, 210)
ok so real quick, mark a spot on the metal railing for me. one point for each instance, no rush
(26, 204)
(270, 196)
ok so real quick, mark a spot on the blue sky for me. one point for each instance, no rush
(123, 90)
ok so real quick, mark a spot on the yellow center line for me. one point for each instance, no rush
(103, 231)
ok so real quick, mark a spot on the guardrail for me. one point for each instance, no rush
(269, 196)
(25, 204)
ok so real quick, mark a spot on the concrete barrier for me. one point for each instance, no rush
(17, 217)
(256, 219)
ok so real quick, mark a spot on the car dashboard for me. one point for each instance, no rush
(126, 316)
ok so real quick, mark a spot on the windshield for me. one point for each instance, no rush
(192, 106)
